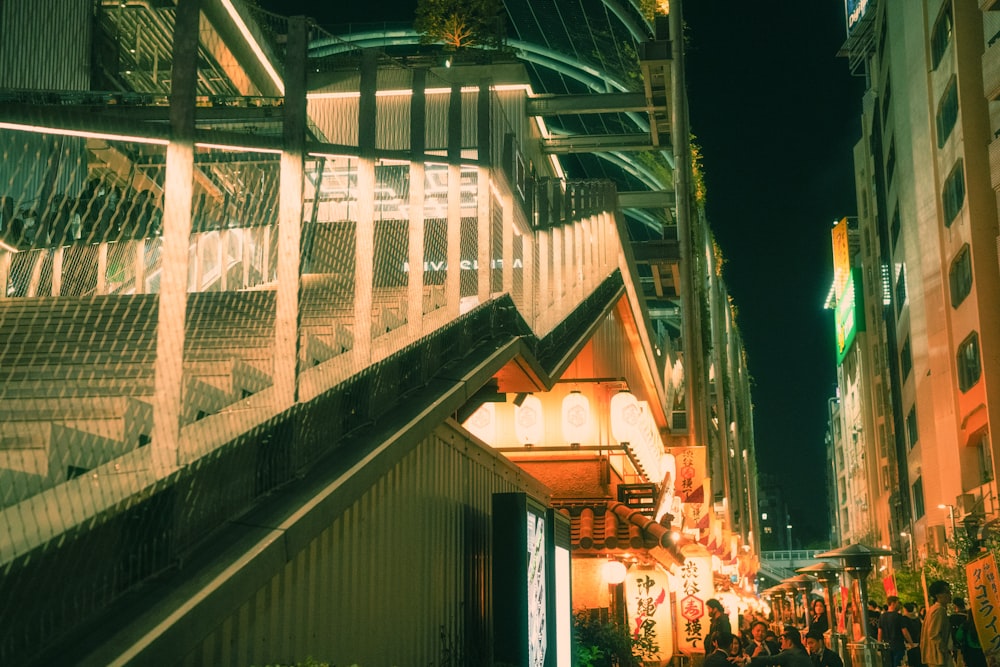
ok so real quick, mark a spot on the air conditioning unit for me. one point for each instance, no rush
(937, 541)
(678, 422)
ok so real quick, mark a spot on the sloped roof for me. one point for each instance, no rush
(611, 527)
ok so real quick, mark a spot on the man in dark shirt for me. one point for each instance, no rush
(890, 630)
(793, 654)
(719, 620)
(820, 655)
(874, 613)
(759, 644)
(911, 634)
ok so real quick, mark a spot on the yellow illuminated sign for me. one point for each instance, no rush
(841, 258)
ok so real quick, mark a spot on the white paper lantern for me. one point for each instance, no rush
(529, 421)
(575, 417)
(614, 572)
(625, 414)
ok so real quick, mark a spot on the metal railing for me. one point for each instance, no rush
(357, 305)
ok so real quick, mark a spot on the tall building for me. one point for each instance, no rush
(772, 511)
(926, 170)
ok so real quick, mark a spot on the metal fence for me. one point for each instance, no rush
(166, 297)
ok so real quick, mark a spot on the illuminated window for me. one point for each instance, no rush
(900, 288)
(941, 37)
(905, 359)
(918, 498)
(947, 112)
(960, 276)
(969, 365)
(911, 427)
(890, 162)
(886, 98)
(894, 228)
(953, 196)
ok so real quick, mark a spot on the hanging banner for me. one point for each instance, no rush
(648, 596)
(984, 593)
(889, 584)
(694, 588)
(691, 471)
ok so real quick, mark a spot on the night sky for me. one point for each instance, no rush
(775, 112)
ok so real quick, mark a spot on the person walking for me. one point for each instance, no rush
(911, 634)
(890, 630)
(719, 621)
(935, 637)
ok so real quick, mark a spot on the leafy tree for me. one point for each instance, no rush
(460, 24)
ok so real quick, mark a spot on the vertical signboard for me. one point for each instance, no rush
(561, 600)
(537, 602)
(689, 462)
(849, 315)
(841, 257)
(855, 11)
(691, 468)
(694, 586)
(523, 574)
(647, 593)
(984, 593)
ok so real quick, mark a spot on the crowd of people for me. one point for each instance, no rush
(942, 635)
(101, 213)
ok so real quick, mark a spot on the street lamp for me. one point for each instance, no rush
(789, 529)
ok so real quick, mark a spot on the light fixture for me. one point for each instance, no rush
(614, 572)
(575, 417)
(483, 423)
(625, 412)
(251, 41)
(529, 421)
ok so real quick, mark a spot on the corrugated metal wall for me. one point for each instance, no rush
(402, 577)
(29, 55)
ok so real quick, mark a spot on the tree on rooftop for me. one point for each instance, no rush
(460, 23)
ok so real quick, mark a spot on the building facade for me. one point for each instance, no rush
(927, 251)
